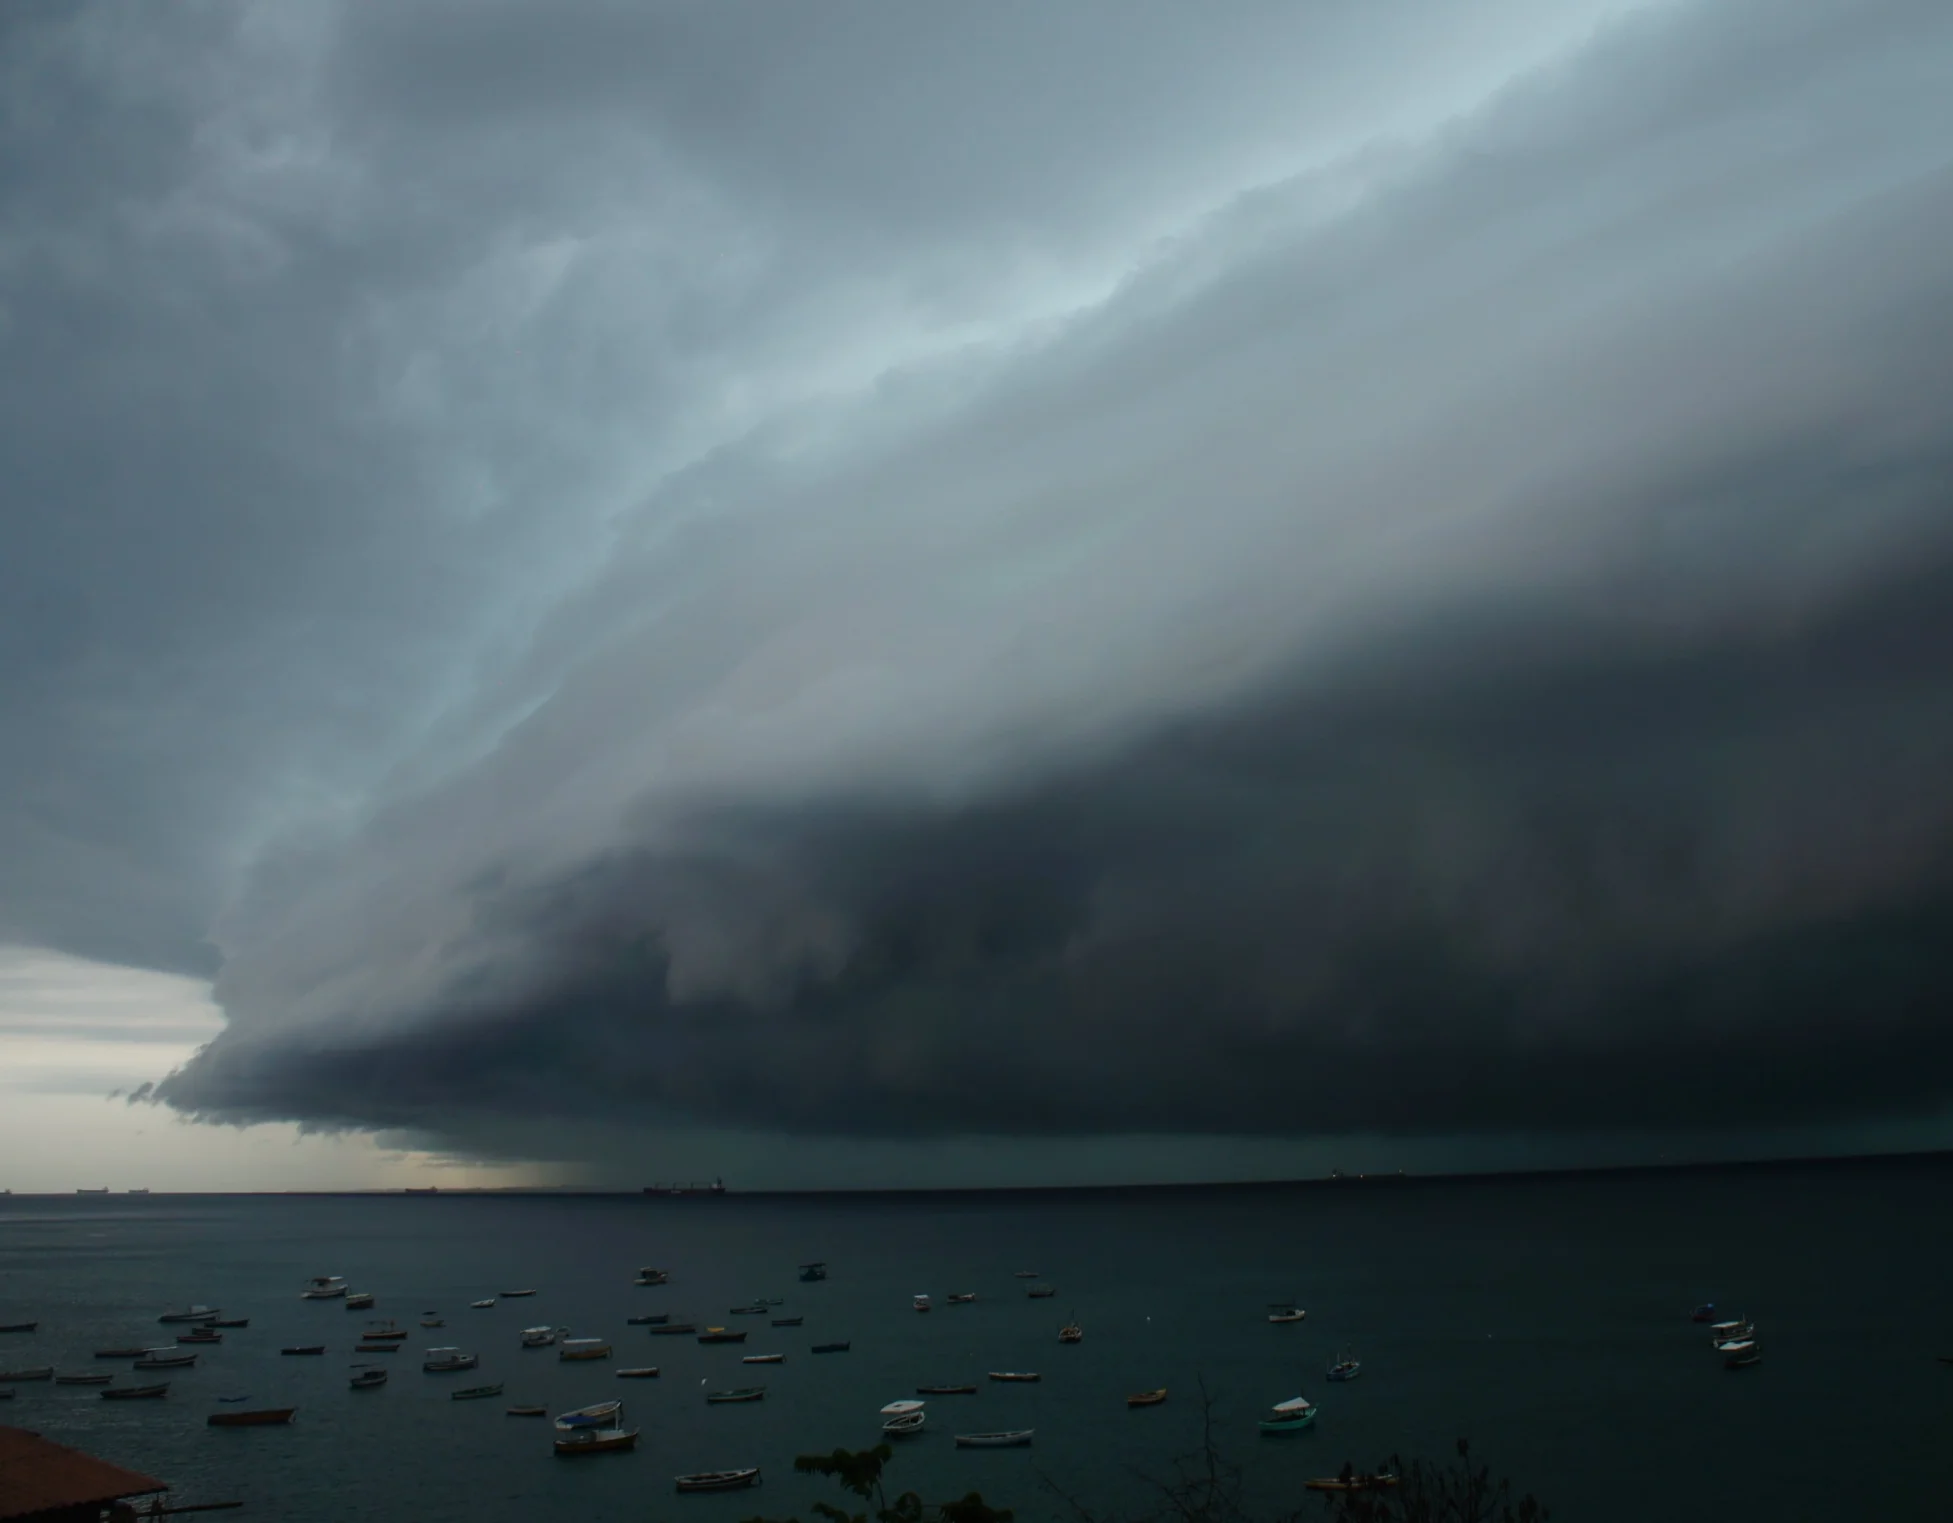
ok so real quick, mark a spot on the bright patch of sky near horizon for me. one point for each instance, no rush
(76, 1036)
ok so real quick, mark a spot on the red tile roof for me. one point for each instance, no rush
(37, 1476)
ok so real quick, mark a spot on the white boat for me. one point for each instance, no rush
(1742, 1353)
(482, 1305)
(597, 1415)
(903, 1408)
(764, 1359)
(1286, 1314)
(441, 1361)
(165, 1359)
(358, 1300)
(905, 1425)
(539, 1337)
(1020, 1376)
(1016, 1438)
(922, 1303)
(323, 1287)
(583, 1348)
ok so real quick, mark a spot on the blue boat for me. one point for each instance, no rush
(1703, 1313)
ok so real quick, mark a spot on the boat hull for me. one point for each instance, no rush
(267, 1418)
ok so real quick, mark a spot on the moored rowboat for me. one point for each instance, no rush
(1016, 1438)
(720, 1480)
(264, 1417)
(1147, 1398)
(596, 1441)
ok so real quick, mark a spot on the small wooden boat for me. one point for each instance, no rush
(160, 1359)
(84, 1380)
(583, 1348)
(1722, 1332)
(831, 1348)
(304, 1348)
(1286, 1314)
(368, 1379)
(432, 1322)
(384, 1332)
(788, 1321)
(38, 1372)
(757, 1309)
(231, 1322)
(1040, 1292)
(720, 1480)
(673, 1329)
(264, 1417)
(541, 1337)
(376, 1348)
(599, 1414)
(652, 1277)
(136, 1393)
(921, 1303)
(18, 1327)
(1289, 1416)
(445, 1361)
(901, 1408)
(358, 1300)
(482, 1305)
(192, 1314)
(905, 1425)
(720, 1335)
(516, 1295)
(648, 1320)
(962, 1298)
(812, 1272)
(945, 1390)
(596, 1441)
(639, 1372)
(1704, 1312)
(476, 1393)
(1742, 1354)
(1019, 1376)
(199, 1338)
(528, 1411)
(1381, 1481)
(1071, 1332)
(1016, 1438)
(743, 1393)
(1147, 1398)
(120, 1353)
(1346, 1366)
(764, 1359)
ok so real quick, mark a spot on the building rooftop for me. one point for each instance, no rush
(38, 1476)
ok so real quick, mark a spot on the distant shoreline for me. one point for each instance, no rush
(1035, 1192)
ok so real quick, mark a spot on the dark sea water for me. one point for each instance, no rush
(1546, 1319)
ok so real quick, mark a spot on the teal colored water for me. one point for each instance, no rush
(1546, 1319)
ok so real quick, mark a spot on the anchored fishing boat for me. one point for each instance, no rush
(265, 1417)
(638, 1372)
(1019, 1376)
(812, 1272)
(788, 1321)
(368, 1378)
(37, 1372)
(161, 1359)
(136, 1393)
(596, 1441)
(905, 1425)
(1071, 1332)
(307, 1348)
(1346, 1366)
(921, 1303)
(764, 1359)
(648, 1319)
(18, 1327)
(720, 1335)
(720, 1480)
(1741, 1354)
(475, 1393)
(1285, 1312)
(1041, 1292)
(445, 1361)
(1015, 1438)
(962, 1298)
(597, 1415)
(1147, 1398)
(1347, 1481)
(831, 1348)
(742, 1393)
(652, 1277)
(673, 1329)
(101, 1379)
(1289, 1416)
(945, 1390)
(528, 1411)
(323, 1287)
(1703, 1312)
(540, 1337)
(583, 1348)
(358, 1300)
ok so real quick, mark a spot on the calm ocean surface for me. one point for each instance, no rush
(1545, 1319)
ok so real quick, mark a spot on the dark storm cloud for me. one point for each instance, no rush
(1043, 572)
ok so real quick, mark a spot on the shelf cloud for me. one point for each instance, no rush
(883, 575)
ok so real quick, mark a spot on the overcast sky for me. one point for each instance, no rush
(866, 593)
